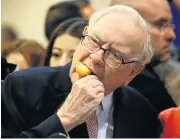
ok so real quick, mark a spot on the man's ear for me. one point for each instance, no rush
(133, 74)
(139, 69)
(85, 31)
(130, 77)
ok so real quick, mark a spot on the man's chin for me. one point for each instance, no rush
(165, 58)
(158, 60)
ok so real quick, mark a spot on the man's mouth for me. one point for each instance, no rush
(82, 69)
(92, 73)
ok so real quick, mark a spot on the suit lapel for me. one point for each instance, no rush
(118, 121)
(124, 126)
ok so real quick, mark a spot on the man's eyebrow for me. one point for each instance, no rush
(98, 39)
(117, 51)
(162, 20)
(121, 54)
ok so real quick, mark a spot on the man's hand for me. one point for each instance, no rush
(86, 95)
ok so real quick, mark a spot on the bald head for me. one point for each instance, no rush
(143, 6)
(131, 2)
(158, 14)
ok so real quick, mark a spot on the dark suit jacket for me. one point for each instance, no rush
(6, 67)
(150, 86)
(30, 99)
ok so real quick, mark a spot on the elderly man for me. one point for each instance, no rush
(115, 46)
(157, 13)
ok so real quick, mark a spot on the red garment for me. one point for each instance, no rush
(171, 123)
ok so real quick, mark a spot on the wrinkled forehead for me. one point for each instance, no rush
(153, 10)
(119, 30)
(113, 24)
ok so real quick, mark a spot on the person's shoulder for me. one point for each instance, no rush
(129, 91)
(37, 71)
(145, 74)
(132, 102)
(33, 75)
(131, 95)
(41, 73)
(144, 79)
(133, 99)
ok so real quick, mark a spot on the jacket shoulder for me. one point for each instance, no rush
(136, 111)
(134, 99)
(32, 96)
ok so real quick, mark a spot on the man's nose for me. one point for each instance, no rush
(170, 34)
(97, 58)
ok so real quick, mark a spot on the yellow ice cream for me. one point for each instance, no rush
(81, 69)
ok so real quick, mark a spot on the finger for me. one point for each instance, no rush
(69, 98)
(100, 95)
(92, 95)
(93, 92)
(94, 83)
(100, 98)
(97, 90)
(95, 102)
(88, 78)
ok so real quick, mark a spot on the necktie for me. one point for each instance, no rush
(92, 125)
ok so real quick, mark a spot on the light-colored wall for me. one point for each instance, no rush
(28, 16)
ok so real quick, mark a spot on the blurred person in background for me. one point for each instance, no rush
(169, 73)
(64, 41)
(66, 10)
(175, 47)
(24, 53)
(158, 14)
(176, 3)
(8, 34)
(86, 8)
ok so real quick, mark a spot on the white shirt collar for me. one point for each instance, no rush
(107, 104)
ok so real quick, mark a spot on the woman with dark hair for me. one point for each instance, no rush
(59, 13)
(24, 53)
(64, 41)
(65, 10)
(86, 8)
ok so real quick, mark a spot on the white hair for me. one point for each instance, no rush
(147, 52)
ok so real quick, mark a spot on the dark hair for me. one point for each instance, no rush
(8, 33)
(83, 3)
(59, 13)
(6, 67)
(32, 51)
(73, 27)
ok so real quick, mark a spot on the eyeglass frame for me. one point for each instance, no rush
(100, 47)
(163, 26)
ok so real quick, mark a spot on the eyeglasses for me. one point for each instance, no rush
(111, 58)
(163, 26)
